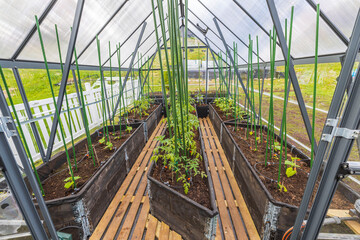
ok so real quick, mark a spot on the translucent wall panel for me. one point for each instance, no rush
(94, 16)
(238, 22)
(304, 26)
(32, 51)
(341, 12)
(16, 20)
(120, 28)
(213, 35)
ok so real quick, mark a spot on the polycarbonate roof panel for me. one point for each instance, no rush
(94, 16)
(238, 22)
(119, 29)
(303, 41)
(32, 51)
(341, 12)
(17, 17)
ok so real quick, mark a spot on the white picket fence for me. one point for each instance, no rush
(43, 113)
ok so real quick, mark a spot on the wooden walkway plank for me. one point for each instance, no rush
(249, 223)
(106, 218)
(225, 218)
(164, 232)
(116, 221)
(141, 223)
(235, 216)
(151, 228)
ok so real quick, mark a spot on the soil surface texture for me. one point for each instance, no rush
(199, 189)
(54, 184)
(295, 184)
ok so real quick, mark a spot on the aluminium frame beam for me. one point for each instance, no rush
(332, 26)
(28, 112)
(64, 79)
(220, 72)
(25, 64)
(247, 46)
(292, 73)
(339, 154)
(33, 30)
(334, 109)
(148, 71)
(130, 66)
(235, 67)
(15, 180)
(215, 33)
(102, 28)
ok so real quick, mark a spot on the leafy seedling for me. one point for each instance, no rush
(102, 140)
(69, 182)
(109, 146)
(128, 129)
(282, 187)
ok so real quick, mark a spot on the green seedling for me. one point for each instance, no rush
(102, 140)
(291, 169)
(109, 146)
(282, 187)
(128, 129)
(69, 182)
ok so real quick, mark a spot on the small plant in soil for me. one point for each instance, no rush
(128, 129)
(70, 182)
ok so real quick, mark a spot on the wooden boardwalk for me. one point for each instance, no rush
(128, 217)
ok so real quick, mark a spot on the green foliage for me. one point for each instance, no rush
(199, 98)
(128, 129)
(69, 181)
(109, 146)
(141, 106)
(291, 166)
(227, 106)
(184, 162)
(102, 140)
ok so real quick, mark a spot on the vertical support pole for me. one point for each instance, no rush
(69, 54)
(339, 154)
(131, 65)
(106, 96)
(292, 74)
(148, 71)
(10, 168)
(28, 112)
(233, 63)
(221, 75)
(76, 86)
(207, 75)
(335, 105)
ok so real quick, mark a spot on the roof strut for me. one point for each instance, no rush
(69, 55)
(130, 66)
(33, 30)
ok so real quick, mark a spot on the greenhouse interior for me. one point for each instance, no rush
(180, 119)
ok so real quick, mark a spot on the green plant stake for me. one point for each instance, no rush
(21, 130)
(54, 101)
(83, 109)
(315, 80)
(112, 90)
(66, 100)
(258, 75)
(102, 83)
(283, 127)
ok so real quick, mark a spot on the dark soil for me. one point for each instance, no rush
(54, 184)
(132, 115)
(199, 189)
(295, 185)
(224, 116)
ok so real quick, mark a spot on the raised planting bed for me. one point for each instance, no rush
(217, 120)
(273, 211)
(192, 215)
(150, 121)
(84, 206)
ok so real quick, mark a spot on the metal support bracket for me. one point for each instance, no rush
(348, 168)
(4, 128)
(339, 132)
